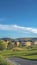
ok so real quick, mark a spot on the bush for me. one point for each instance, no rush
(3, 61)
(2, 45)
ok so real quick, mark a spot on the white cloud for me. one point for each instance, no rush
(18, 28)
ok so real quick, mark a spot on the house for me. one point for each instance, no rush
(17, 43)
(35, 42)
(12, 43)
(22, 42)
(28, 43)
(7, 43)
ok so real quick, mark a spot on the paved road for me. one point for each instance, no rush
(19, 61)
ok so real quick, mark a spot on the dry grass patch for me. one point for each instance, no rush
(17, 49)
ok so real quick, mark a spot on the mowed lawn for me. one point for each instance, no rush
(27, 53)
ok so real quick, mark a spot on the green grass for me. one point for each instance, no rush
(28, 53)
(23, 52)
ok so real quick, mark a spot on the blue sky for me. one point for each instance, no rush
(18, 18)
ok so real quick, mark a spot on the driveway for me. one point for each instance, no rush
(20, 61)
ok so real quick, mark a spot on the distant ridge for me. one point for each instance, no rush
(33, 39)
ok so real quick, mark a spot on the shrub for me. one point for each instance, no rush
(2, 45)
(3, 61)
